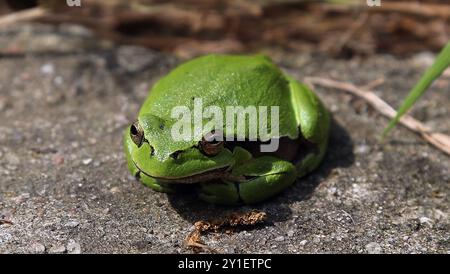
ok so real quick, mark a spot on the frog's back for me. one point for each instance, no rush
(225, 80)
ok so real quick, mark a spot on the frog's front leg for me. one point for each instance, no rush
(259, 178)
(146, 180)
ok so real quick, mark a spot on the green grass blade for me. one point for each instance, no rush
(441, 63)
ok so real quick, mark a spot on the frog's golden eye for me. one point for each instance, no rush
(212, 143)
(137, 133)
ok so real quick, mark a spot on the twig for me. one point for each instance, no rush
(373, 84)
(21, 16)
(193, 241)
(3, 221)
(348, 215)
(439, 140)
(236, 219)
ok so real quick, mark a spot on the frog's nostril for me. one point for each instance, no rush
(152, 151)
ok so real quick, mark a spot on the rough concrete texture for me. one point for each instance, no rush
(65, 99)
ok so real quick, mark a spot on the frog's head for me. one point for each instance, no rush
(156, 153)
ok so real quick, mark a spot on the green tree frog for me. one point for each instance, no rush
(232, 169)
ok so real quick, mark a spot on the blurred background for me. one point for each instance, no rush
(339, 28)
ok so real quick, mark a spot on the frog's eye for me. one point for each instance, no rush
(212, 143)
(137, 133)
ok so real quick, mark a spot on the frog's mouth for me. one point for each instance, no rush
(217, 173)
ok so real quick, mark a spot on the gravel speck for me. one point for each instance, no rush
(58, 159)
(362, 149)
(114, 190)
(426, 221)
(58, 80)
(279, 239)
(37, 248)
(87, 161)
(48, 68)
(373, 248)
(73, 247)
(57, 249)
(72, 224)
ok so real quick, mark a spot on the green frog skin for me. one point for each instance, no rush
(225, 172)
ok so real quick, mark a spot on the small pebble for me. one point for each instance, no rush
(72, 224)
(48, 69)
(87, 161)
(57, 249)
(279, 239)
(114, 190)
(373, 248)
(37, 248)
(303, 242)
(73, 247)
(58, 159)
(362, 149)
(58, 80)
(424, 220)
(332, 190)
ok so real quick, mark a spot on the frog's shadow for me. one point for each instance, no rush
(339, 154)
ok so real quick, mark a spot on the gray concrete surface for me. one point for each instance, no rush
(65, 99)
